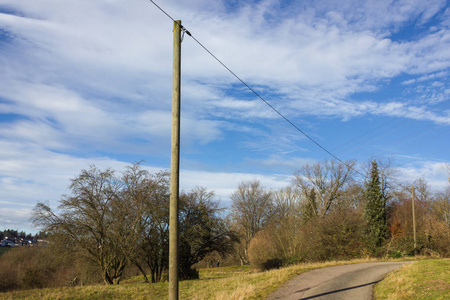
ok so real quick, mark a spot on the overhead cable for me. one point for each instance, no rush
(253, 91)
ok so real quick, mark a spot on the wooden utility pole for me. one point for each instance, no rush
(414, 219)
(175, 165)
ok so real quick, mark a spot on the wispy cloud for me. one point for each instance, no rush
(30, 173)
(434, 173)
(91, 81)
(323, 53)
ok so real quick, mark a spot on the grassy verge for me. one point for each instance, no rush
(214, 283)
(427, 279)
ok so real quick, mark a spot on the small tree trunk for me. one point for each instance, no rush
(142, 272)
(106, 277)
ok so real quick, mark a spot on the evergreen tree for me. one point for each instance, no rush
(375, 212)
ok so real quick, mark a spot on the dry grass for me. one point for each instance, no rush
(427, 279)
(4, 250)
(216, 283)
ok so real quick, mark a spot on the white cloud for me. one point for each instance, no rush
(29, 174)
(310, 54)
(434, 173)
(426, 77)
(94, 79)
(224, 184)
(281, 162)
(15, 219)
(381, 15)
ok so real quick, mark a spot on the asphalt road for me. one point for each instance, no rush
(347, 282)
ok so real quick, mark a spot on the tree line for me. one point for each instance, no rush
(16, 234)
(112, 222)
(327, 214)
(120, 220)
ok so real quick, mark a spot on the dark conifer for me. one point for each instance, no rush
(375, 212)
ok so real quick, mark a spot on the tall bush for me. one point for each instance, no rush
(262, 252)
(40, 267)
(337, 236)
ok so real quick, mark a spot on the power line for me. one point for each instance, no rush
(251, 89)
(357, 138)
(405, 123)
(415, 134)
(162, 10)
(387, 132)
(430, 137)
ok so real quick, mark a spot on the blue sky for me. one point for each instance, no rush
(89, 82)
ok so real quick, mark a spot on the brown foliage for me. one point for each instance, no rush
(253, 209)
(401, 219)
(432, 230)
(337, 236)
(40, 267)
(8, 275)
(262, 250)
(395, 228)
(438, 237)
(26, 268)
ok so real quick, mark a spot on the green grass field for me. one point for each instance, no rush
(424, 280)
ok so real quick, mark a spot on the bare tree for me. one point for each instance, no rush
(422, 190)
(441, 206)
(94, 219)
(154, 227)
(287, 202)
(203, 231)
(252, 209)
(351, 197)
(285, 231)
(117, 220)
(322, 183)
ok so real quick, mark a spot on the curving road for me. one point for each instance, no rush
(339, 282)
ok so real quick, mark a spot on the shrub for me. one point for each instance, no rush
(432, 233)
(273, 263)
(33, 278)
(262, 251)
(438, 237)
(8, 276)
(39, 267)
(187, 272)
(400, 254)
(33, 267)
(337, 236)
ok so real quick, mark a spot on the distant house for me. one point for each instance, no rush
(7, 243)
(42, 243)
